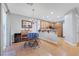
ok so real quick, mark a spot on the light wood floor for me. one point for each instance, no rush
(44, 49)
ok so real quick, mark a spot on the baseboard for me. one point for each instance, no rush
(71, 44)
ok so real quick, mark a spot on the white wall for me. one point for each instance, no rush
(77, 27)
(3, 27)
(0, 28)
(69, 27)
(76, 21)
(4, 18)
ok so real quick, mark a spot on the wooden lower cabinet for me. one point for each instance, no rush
(19, 38)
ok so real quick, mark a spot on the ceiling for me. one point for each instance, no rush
(42, 10)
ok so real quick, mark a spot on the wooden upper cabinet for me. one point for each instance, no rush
(45, 24)
(51, 25)
(58, 25)
(58, 29)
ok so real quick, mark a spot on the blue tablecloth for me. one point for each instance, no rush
(32, 35)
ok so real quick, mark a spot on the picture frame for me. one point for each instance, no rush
(26, 24)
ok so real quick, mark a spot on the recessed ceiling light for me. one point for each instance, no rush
(51, 12)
